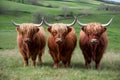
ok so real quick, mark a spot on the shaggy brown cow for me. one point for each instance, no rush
(31, 41)
(61, 42)
(93, 42)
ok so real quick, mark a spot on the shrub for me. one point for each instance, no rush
(37, 16)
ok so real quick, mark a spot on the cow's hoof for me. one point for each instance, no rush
(55, 66)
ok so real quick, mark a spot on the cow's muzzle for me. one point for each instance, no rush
(27, 40)
(93, 41)
(58, 40)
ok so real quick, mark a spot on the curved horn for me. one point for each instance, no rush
(105, 25)
(15, 24)
(71, 24)
(81, 24)
(38, 25)
(46, 23)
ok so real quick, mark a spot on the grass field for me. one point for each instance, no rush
(11, 62)
(11, 68)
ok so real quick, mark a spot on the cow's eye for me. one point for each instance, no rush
(22, 33)
(54, 33)
(88, 35)
(98, 35)
(64, 33)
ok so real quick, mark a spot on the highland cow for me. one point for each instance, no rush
(61, 42)
(31, 41)
(93, 42)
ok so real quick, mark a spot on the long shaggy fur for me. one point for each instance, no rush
(90, 51)
(36, 45)
(62, 52)
(94, 28)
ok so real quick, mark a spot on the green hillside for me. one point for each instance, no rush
(60, 11)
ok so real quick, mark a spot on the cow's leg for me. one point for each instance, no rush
(34, 60)
(40, 56)
(54, 57)
(64, 64)
(24, 55)
(97, 61)
(87, 63)
(99, 54)
(87, 59)
(56, 64)
(25, 61)
(64, 61)
(97, 65)
(69, 60)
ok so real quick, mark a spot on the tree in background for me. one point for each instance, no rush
(65, 11)
(37, 16)
(32, 2)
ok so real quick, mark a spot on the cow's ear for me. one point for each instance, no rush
(69, 29)
(18, 29)
(49, 29)
(83, 28)
(37, 29)
(104, 29)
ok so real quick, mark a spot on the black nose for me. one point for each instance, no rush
(27, 40)
(58, 40)
(93, 41)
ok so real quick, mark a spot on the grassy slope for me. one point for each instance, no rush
(24, 7)
(12, 68)
(69, 4)
(95, 16)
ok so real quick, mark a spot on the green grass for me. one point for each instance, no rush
(28, 8)
(7, 39)
(11, 67)
(68, 4)
(6, 21)
(113, 30)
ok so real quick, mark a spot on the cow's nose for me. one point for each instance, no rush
(94, 41)
(27, 40)
(58, 40)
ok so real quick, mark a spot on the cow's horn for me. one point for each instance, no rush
(46, 23)
(15, 24)
(81, 24)
(38, 25)
(71, 24)
(105, 25)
